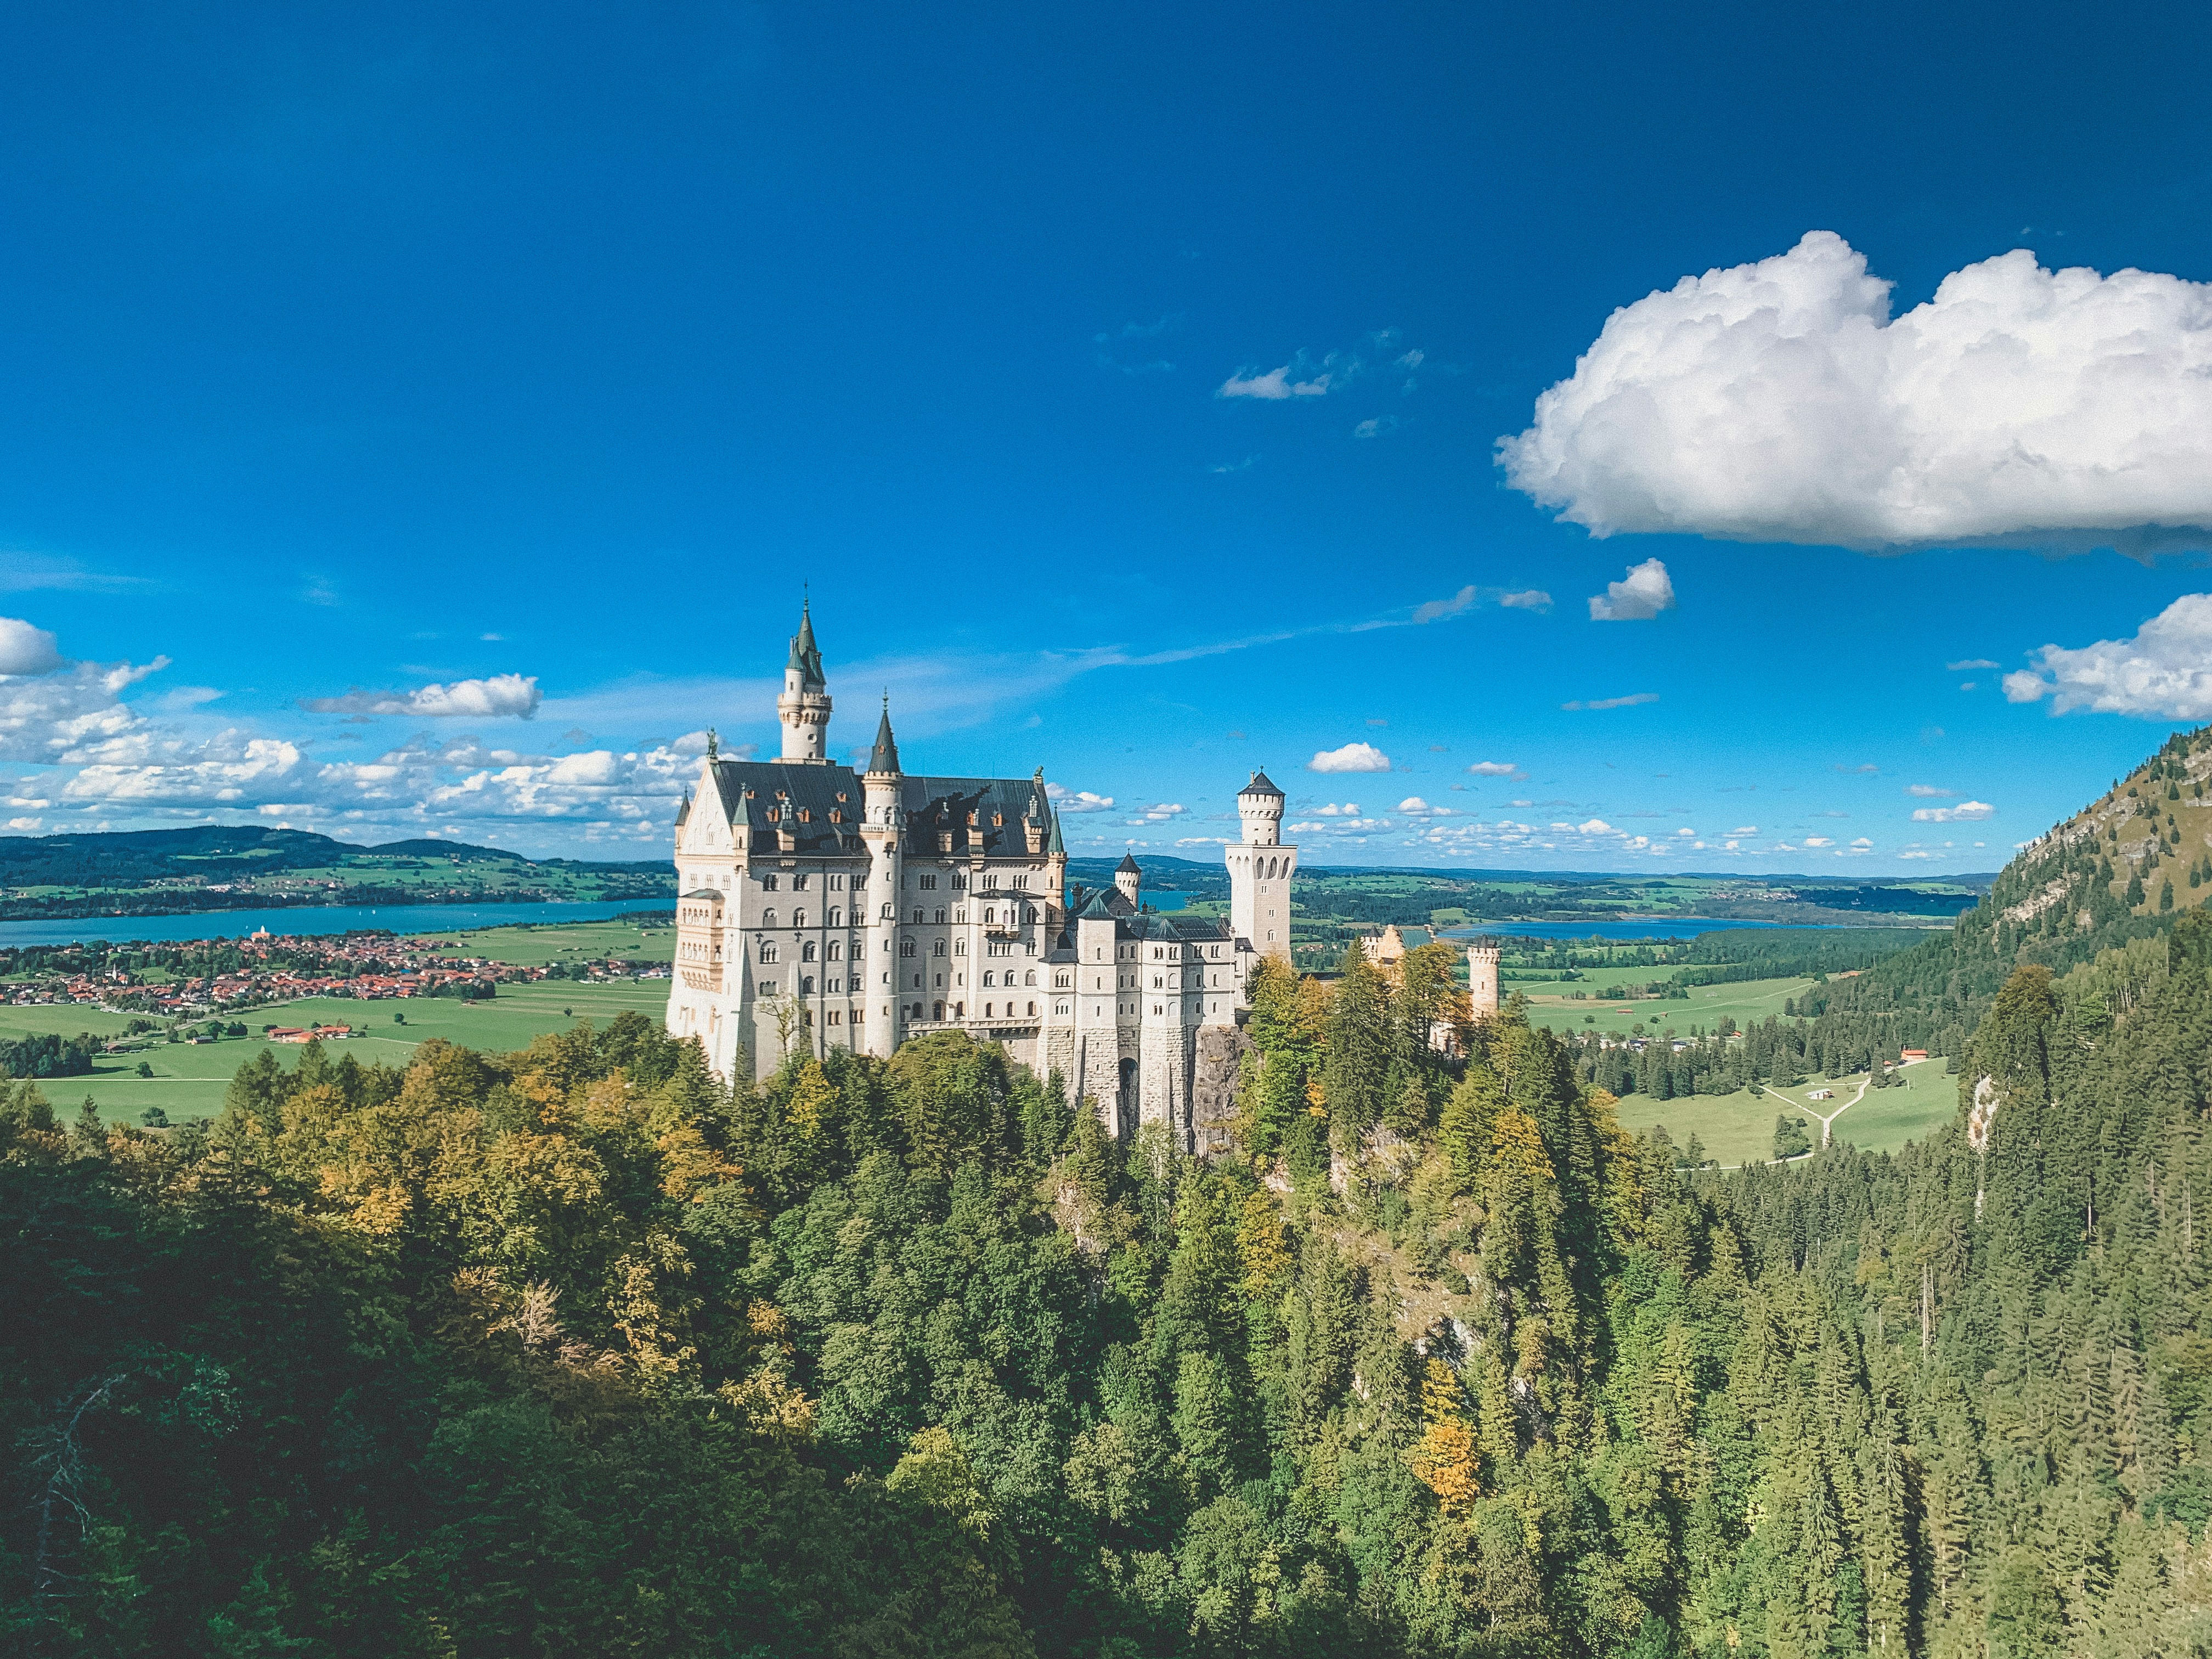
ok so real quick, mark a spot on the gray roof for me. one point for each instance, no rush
(804, 655)
(821, 805)
(1129, 866)
(885, 757)
(1261, 785)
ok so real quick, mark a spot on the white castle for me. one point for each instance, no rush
(824, 908)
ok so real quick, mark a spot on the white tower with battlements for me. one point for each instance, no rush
(1482, 979)
(1260, 866)
(804, 707)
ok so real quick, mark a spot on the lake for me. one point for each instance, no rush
(315, 919)
(1648, 927)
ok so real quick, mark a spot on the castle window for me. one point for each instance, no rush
(928, 881)
(989, 980)
(833, 1019)
(939, 1008)
(988, 1007)
(888, 913)
(906, 947)
(799, 881)
(917, 916)
(798, 918)
(837, 883)
(806, 952)
(959, 882)
(767, 950)
(836, 950)
(991, 879)
(940, 917)
(1032, 1011)
(767, 917)
(1158, 953)
(767, 988)
(939, 948)
(990, 914)
(1060, 982)
(1028, 978)
(960, 915)
(807, 985)
(1020, 882)
(768, 883)
(836, 917)
(959, 947)
(1029, 913)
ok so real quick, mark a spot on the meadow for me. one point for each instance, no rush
(189, 1079)
(1739, 1128)
(1745, 1002)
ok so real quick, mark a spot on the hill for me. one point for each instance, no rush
(225, 867)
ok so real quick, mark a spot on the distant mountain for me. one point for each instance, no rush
(2121, 869)
(224, 867)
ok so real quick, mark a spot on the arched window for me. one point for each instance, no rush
(940, 917)
(889, 915)
(1029, 913)
(806, 952)
(836, 918)
(1029, 978)
(807, 985)
(940, 1007)
(959, 947)
(937, 949)
(987, 1008)
(836, 950)
(906, 947)
(1032, 1011)
(798, 918)
(1060, 982)
(917, 916)
(767, 917)
(768, 883)
(767, 950)
(798, 883)
(990, 913)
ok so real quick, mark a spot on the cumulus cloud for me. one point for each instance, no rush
(2164, 672)
(502, 696)
(1780, 402)
(1819, 840)
(1494, 768)
(1414, 807)
(1077, 800)
(1348, 809)
(1643, 594)
(1293, 380)
(1160, 812)
(1967, 812)
(1528, 598)
(1628, 701)
(1745, 829)
(1352, 757)
(25, 650)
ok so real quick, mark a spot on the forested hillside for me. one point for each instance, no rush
(576, 1352)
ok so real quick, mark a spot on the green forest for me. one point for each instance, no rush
(575, 1350)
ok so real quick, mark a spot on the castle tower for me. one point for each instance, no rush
(885, 998)
(1260, 868)
(1482, 979)
(804, 707)
(1129, 878)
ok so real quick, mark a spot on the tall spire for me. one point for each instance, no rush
(885, 758)
(804, 657)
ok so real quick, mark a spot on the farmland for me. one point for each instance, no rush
(1739, 1128)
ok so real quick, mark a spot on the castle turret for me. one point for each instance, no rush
(1129, 878)
(1482, 979)
(804, 707)
(881, 832)
(1259, 869)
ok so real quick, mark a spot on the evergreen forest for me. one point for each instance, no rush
(579, 1351)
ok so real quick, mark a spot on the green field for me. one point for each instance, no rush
(189, 1080)
(1739, 1128)
(1744, 1002)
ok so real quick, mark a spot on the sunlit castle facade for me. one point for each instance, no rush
(824, 908)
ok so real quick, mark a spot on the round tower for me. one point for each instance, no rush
(1260, 809)
(804, 707)
(1482, 978)
(1129, 878)
(881, 787)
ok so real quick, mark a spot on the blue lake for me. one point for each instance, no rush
(1652, 928)
(315, 919)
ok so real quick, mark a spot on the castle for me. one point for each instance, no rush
(824, 908)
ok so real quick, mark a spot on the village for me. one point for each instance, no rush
(199, 979)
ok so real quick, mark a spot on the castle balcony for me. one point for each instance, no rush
(1022, 1025)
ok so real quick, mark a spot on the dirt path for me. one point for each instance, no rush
(1827, 1122)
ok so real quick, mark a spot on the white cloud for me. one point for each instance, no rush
(1779, 402)
(1629, 702)
(1928, 792)
(1687, 830)
(1374, 426)
(1915, 853)
(1437, 610)
(1332, 810)
(2164, 672)
(502, 696)
(1643, 594)
(1278, 384)
(1494, 768)
(1969, 663)
(1529, 598)
(27, 650)
(1862, 845)
(1745, 829)
(1413, 807)
(1819, 840)
(1352, 757)
(1160, 812)
(1077, 800)
(1965, 812)
(1591, 827)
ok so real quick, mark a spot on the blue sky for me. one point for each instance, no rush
(452, 406)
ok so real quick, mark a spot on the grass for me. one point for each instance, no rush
(189, 1080)
(1739, 1128)
(1745, 1001)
